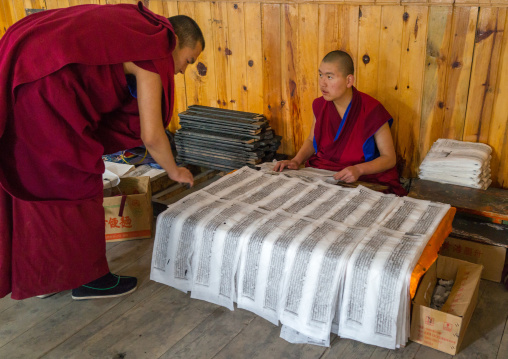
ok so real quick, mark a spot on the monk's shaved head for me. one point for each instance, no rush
(343, 61)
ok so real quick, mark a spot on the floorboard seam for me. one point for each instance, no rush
(100, 316)
(232, 339)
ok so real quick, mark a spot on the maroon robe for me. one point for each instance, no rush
(365, 117)
(64, 102)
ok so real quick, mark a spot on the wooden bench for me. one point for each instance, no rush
(481, 217)
(491, 203)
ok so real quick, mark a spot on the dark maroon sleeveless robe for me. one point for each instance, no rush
(365, 117)
(64, 102)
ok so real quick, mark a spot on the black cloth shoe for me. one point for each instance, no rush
(108, 286)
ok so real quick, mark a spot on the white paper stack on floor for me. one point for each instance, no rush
(297, 252)
(456, 162)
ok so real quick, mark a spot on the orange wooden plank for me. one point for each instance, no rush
(18, 10)
(254, 57)
(157, 6)
(459, 70)
(328, 29)
(390, 44)
(498, 136)
(271, 29)
(221, 51)
(308, 63)
(412, 66)
(348, 31)
(200, 78)
(237, 66)
(368, 49)
(434, 88)
(179, 96)
(489, 36)
(290, 93)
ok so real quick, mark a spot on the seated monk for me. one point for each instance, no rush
(351, 131)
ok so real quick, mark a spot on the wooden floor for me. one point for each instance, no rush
(157, 321)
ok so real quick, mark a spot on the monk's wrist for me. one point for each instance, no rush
(359, 168)
(297, 162)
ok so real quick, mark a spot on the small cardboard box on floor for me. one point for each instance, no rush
(445, 329)
(128, 210)
(491, 257)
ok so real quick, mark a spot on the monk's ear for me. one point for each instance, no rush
(177, 41)
(350, 80)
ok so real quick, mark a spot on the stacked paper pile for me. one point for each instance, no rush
(315, 257)
(456, 162)
(224, 139)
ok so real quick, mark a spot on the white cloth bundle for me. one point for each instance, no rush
(286, 249)
(456, 162)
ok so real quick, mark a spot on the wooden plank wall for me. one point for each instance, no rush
(440, 67)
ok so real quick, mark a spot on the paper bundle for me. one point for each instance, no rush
(456, 162)
(315, 257)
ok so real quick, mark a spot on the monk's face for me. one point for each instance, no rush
(333, 83)
(183, 56)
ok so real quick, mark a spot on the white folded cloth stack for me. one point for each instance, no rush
(459, 163)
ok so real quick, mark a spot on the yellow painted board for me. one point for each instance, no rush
(368, 49)
(236, 59)
(434, 88)
(489, 36)
(254, 57)
(180, 104)
(412, 65)
(498, 131)
(308, 64)
(200, 85)
(271, 29)
(290, 93)
(390, 43)
(220, 49)
(348, 31)
(459, 70)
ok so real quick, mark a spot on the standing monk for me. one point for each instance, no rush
(75, 84)
(351, 130)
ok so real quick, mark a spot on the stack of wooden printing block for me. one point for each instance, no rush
(224, 139)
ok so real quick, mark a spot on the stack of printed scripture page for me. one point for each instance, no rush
(456, 162)
(313, 256)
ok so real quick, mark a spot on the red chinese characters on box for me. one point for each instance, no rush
(124, 222)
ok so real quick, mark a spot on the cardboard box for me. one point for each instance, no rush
(444, 330)
(128, 210)
(491, 257)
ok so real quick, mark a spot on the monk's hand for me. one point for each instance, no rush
(183, 175)
(289, 164)
(349, 174)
